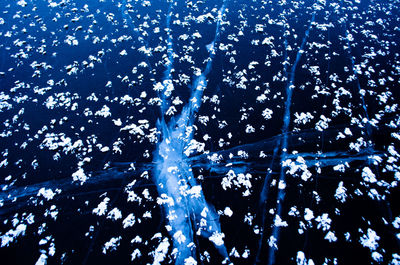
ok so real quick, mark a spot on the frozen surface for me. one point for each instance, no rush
(199, 132)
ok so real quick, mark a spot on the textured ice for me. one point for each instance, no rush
(199, 132)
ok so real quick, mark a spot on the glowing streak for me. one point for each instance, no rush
(285, 128)
(368, 126)
(167, 77)
(364, 106)
(188, 213)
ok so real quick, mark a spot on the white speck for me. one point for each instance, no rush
(396, 222)
(272, 242)
(301, 259)
(196, 35)
(377, 256)
(160, 252)
(111, 245)
(129, 220)
(105, 149)
(48, 194)
(324, 222)
(279, 222)
(179, 237)
(370, 240)
(42, 260)
(104, 112)
(80, 176)
(308, 214)
(9, 237)
(330, 236)
(102, 207)
(204, 212)
(136, 254)
(303, 118)
(114, 214)
(228, 211)
(246, 253)
(195, 191)
(190, 261)
(340, 194)
(217, 238)
(367, 175)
